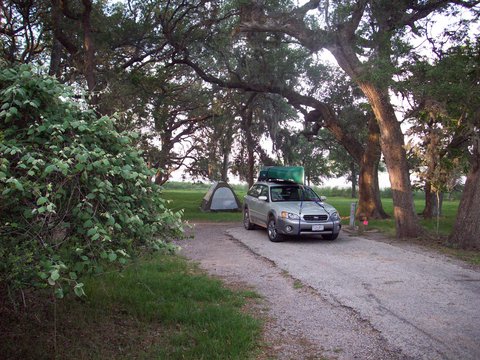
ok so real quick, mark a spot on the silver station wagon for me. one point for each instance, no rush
(288, 208)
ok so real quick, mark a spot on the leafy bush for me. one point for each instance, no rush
(75, 193)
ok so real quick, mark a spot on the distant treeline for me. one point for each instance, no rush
(327, 191)
(200, 186)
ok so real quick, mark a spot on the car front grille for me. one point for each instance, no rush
(315, 217)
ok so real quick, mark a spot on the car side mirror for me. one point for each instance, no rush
(262, 198)
(323, 198)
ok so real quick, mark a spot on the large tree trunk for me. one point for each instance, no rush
(87, 63)
(247, 119)
(370, 204)
(162, 163)
(428, 211)
(368, 158)
(225, 163)
(369, 192)
(392, 144)
(391, 137)
(163, 173)
(55, 58)
(433, 202)
(466, 231)
(57, 47)
(89, 48)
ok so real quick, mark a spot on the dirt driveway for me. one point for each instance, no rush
(352, 298)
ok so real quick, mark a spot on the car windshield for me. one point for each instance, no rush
(292, 193)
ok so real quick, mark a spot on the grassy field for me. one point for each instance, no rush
(190, 200)
(161, 308)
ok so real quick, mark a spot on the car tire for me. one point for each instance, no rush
(330, 236)
(272, 232)
(246, 220)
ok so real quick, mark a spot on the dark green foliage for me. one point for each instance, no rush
(73, 191)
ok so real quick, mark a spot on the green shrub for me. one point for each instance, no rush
(74, 193)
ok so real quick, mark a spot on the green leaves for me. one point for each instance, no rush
(112, 256)
(92, 231)
(55, 275)
(78, 289)
(78, 195)
(16, 184)
(49, 169)
(42, 200)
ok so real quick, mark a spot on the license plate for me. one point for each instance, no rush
(317, 227)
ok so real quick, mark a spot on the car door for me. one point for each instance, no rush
(254, 203)
(263, 206)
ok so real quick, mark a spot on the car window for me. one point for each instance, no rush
(264, 191)
(255, 191)
(292, 193)
(310, 195)
(285, 193)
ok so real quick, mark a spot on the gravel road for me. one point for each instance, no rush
(352, 298)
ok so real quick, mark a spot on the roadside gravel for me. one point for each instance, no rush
(300, 323)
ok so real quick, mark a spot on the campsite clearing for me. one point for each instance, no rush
(190, 200)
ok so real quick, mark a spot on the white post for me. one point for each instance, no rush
(353, 207)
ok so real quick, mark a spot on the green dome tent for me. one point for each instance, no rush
(220, 197)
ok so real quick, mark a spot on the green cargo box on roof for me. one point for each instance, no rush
(288, 173)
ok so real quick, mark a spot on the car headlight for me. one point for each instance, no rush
(288, 215)
(335, 216)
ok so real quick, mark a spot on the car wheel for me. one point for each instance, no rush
(246, 220)
(330, 236)
(273, 234)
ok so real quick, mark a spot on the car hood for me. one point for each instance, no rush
(308, 207)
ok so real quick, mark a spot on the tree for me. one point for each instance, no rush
(129, 75)
(445, 96)
(459, 68)
(21, 33)
(437, 145)
(118, 54)
(179, 112)
(64, 22)
(211, 159)
(272, 65)
(435, 165)
(352, 124)
(352, 32)
(312, 154)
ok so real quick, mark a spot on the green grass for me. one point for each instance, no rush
(446, 222)
(163, 308)
(297, 284)
(190, 201)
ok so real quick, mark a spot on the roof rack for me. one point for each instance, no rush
(294, 174)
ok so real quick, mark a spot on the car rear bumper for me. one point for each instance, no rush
(294, 227)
